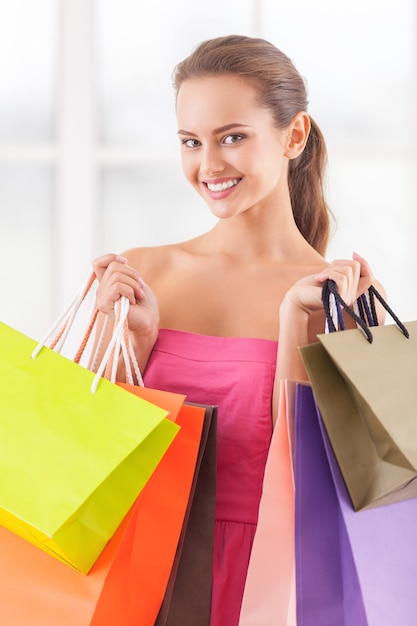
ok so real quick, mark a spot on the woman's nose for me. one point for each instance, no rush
(211, 162)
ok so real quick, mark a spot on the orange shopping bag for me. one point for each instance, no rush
(38, 590)
(269, 596)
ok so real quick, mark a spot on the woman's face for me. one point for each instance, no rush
(232, 152)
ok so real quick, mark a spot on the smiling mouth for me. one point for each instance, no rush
(223, 186)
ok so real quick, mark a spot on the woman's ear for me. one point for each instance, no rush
(298, 132)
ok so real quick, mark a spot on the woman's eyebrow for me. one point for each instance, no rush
(216, 131)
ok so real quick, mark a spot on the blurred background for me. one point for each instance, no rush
(89, 158)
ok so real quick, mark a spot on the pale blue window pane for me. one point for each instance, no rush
(150, 204)
(25, 246)
(28, 70)
(137, 46)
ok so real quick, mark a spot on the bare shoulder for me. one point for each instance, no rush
(151, 261)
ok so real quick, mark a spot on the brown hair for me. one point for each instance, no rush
(282, 90)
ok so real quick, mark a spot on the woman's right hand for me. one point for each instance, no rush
(117, 278)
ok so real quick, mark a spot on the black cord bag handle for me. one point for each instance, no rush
(367, 313)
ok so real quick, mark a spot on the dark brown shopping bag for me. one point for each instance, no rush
(364, 381)
(188, 596)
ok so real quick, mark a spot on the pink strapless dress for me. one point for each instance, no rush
(237, 375)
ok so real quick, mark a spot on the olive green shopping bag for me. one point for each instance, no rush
(365, 384)
(72, 462)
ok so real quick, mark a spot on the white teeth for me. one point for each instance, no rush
(223, 186)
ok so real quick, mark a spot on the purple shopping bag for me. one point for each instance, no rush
(352, 568)
(327, 585)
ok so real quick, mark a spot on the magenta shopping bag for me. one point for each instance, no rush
(352, 568)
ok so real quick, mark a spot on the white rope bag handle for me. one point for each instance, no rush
(119, 344)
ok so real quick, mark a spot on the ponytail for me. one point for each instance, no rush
(305, 181)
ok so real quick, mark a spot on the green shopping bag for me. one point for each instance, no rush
(72, 462)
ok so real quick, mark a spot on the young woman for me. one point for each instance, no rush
(220, 317)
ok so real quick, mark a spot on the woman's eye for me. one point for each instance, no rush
(191, 143)
(233, 138)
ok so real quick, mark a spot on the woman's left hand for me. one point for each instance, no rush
(352, 277)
